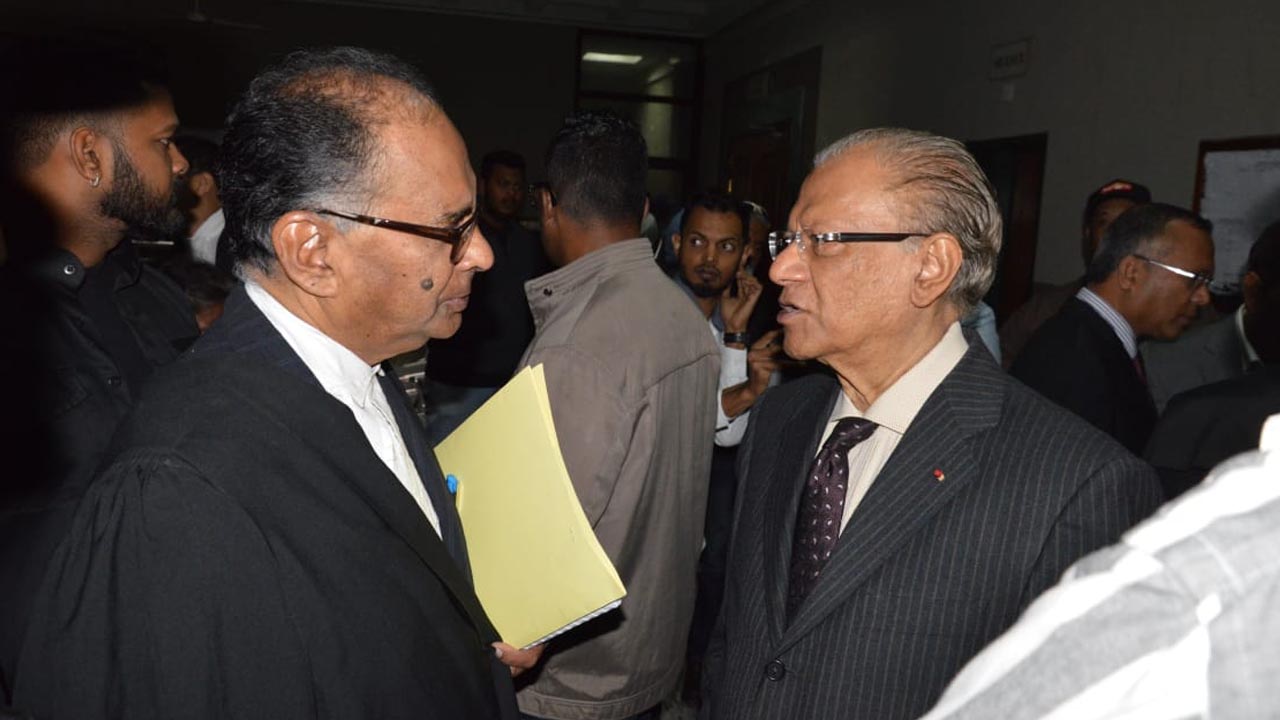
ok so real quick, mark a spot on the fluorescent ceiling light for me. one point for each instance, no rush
(614, 58)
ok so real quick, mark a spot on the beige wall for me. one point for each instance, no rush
(1122, 89)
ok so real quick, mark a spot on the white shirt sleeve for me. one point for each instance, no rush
(733, 371)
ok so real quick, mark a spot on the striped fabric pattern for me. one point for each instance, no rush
(1177, 620)
(929, 569)
(1122, 328)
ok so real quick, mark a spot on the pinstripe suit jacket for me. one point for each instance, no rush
(927, 571)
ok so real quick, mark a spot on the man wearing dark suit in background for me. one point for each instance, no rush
(1101, 209)
(1206, 425)
(1224, 348)
(270, 536)
(1150, 277)
(465, 370)
(897, 516)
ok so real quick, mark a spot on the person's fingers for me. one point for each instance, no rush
(767, 340)
(516, 659)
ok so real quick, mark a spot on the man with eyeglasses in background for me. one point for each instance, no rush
(271, 536)
(898, 513)
(1149, 279)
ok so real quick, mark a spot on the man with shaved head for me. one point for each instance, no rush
(271, 536)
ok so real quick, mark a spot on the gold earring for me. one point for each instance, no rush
(96, 181)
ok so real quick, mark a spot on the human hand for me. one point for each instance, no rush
(736, 311)
(517, 660)
(763, 360)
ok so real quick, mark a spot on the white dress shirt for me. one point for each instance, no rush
(353, 383)
(1250, 355)
(892, 413)
(733, 370)
(204, 241)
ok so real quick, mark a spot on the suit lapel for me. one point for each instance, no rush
(330, 430)
(1133, 392)
(381, 490)
(797, 444)
(907, 493)
(424, 460)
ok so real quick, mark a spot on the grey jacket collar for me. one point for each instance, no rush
(559, 288)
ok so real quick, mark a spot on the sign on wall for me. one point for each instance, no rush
(1238, 190)
(1010, 59)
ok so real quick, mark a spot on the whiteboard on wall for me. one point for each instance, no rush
(1238, 190)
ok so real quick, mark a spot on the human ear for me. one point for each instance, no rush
(91, 153)
(940, 258)
(1128, 272)
(304, 247)
(202, 184)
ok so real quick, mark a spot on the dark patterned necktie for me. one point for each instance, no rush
(822, 507)
(1140, 368)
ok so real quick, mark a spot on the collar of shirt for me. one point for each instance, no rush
(1250, 355)
(551, 290)
(901, 402)
(1118, 324)
(340, 372)
(59, 268)
(204, 241)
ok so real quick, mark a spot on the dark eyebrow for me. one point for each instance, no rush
(457, 216)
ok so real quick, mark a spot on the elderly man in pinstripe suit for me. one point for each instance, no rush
(899, 513)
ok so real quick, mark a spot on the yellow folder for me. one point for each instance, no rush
(538, 567)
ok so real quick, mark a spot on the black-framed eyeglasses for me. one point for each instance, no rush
(1198, 280)
(458, 237)
(779, 241)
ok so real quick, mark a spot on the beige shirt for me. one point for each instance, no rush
(893, 412)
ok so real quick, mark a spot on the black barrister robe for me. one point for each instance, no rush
(245, 554)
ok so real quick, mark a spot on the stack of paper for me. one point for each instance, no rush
(537, 566)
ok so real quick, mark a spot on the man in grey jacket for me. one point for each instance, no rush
(631, 372)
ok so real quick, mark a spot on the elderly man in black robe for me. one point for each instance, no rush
(271, 536)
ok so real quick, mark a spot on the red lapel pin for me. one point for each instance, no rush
(939, 475)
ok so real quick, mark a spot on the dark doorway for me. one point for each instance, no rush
(768, 130)
(757, 166)
(1015, 167)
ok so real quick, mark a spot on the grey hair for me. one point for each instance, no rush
(948, 192)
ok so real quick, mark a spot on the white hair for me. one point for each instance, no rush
(946, 191)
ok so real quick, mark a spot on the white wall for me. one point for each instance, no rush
(1123, 90)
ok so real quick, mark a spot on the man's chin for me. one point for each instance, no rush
(703, 290)
(170, 226)
(444, 326)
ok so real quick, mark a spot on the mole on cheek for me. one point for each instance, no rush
(428, 284)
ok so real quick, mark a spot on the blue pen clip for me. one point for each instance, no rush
(451, 482)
